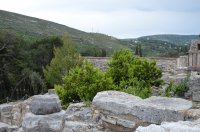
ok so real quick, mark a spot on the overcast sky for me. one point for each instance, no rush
(119, 18)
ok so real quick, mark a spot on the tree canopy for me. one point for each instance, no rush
(65, 58)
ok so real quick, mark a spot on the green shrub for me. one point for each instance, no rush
(82, 84)
(176, 89)
(181, 88)
(169, 91)
(133, 74)
(135, 87)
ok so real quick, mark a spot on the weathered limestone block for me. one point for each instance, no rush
(81, 118)
(45, 104)
(44, 123)
(180, 126)
(159, 109)
(120, 123)
(14, 112)
(193, 114)
(25, 108)
(196, 96)
(194, 86)
(17, 114)
(76, 126)
(51, 91)
(78, 112)
(7, 128)
(5, 113)
(151, 110)
(182, 61)
(19, 110)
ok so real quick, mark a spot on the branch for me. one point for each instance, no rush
(18, 85)
(3, 47)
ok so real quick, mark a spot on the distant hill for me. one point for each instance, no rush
(34, 29)
(172, 38)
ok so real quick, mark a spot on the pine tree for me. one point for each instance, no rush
(136, 50)
(65, 58)
(140, 50)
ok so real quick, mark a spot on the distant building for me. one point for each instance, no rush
(192, 60)
(194, 54)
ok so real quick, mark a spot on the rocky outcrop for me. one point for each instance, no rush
(180, 126)
(124, 112)
(45, 104)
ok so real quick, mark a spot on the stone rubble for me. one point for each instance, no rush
(110, 111)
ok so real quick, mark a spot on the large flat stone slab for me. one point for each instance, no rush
(119, 106)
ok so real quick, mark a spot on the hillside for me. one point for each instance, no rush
(33, 28)
(92, 44)
(159, 48)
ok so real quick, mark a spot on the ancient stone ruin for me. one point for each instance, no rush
(194, 53)
(110, 111)
(191, 60)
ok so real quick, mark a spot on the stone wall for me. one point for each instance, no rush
(166, 64)
(100, 62)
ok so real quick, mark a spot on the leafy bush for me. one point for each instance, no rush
(177, 89)
(181, 88)
(135, 87)
(169, 91)
(133, 74)
(82, 84)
